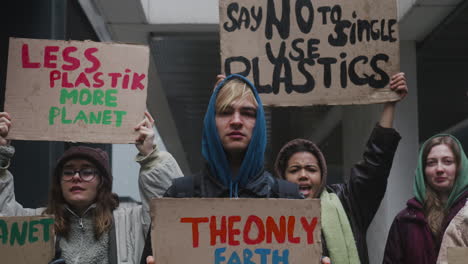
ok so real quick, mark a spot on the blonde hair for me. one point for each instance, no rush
(232, 90)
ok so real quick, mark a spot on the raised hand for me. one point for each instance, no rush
(5, 124)
(145, 138)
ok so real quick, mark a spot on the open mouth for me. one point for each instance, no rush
(305, 189)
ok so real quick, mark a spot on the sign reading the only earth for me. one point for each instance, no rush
(75, 91)
(228, 231)
(309, 52)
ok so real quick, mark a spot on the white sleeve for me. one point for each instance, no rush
(157, 172)
(8, 204)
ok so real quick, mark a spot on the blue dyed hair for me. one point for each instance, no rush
(213, 151)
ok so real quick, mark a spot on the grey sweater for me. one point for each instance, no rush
(81, 246)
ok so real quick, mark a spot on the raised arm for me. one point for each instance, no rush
(363, 191)
(8, 204)
(158, 168)
(398, 85)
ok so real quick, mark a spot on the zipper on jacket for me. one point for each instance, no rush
(80, 219)
(81, 224)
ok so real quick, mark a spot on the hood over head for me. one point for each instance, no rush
(301, 145)
(213, 151)
(461, 181)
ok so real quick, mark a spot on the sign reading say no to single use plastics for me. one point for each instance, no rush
(304, 52)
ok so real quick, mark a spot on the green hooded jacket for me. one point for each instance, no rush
(461, 182)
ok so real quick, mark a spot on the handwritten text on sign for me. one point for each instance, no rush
(26, 239)
(77, 87)
(207, 229)
(302, 52)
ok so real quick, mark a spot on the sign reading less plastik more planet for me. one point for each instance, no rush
(312, 52)
(75, 91)
(236, 231)
(27, 239)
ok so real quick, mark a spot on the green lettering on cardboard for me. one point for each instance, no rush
(110, 98)
(95, 119)
(118, 116)
(4, 229)
(81, 116)
(64, 115)
(98, 97)
(47, 223)
(17, 235)
(53, 113)
(33, 229)
(106, 119)
(85, 93)
(68, 94)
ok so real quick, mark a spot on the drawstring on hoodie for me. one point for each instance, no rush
(236, 189)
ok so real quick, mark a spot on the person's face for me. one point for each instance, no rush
(235, 125)
(79, 192)
(441, 169)
(304, 170)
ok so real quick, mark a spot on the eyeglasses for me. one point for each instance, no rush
(86, 174)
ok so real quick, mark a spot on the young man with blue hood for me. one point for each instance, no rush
(233, 145)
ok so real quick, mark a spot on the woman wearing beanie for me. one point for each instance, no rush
(346, 209)
(440, 192)
(90, 226)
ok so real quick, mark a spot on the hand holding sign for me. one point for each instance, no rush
(145, 138)
(398, 85)
(5, 124)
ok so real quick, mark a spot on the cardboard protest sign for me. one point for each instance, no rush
(457, 255)
(75, 91)
(312, 52)
(27, 239)
(222, 231)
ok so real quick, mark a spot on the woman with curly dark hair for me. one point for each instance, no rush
(347, 209)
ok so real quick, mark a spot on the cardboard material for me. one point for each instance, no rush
(236, 231)
(75, 91)
(457, 255)
(321, 52)
(26, 239)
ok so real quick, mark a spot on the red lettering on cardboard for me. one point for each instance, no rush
(233, 231)
(195, 233)
(136, 81)
(50, 57)
(253, 219)
(291, 224)
(74, 62)
(98, 82)
(26, 63)
(279, 231)
(214, 232)
(309, 228)
(95, 61)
